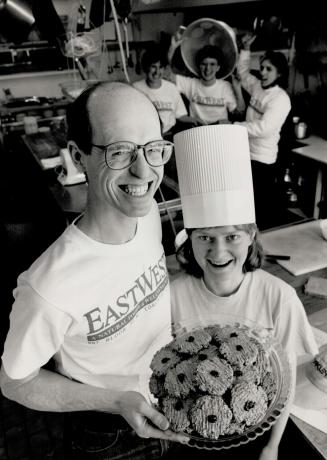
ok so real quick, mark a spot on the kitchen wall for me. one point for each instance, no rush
(239, 15)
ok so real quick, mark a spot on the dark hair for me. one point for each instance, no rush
(279, 61)
(186, 259)
(152, 55)
(208, 51)
(78, 117)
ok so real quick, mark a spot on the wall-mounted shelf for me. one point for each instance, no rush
(180, 5)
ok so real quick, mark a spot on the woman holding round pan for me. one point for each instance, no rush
(266, 113)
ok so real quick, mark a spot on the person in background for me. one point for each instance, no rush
(265, 115)
(97, 300)
(211, 100)
(164, 94)
(221, 255)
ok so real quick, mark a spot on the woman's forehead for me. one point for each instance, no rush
(267, 63)
(218, 230)
(209, 59)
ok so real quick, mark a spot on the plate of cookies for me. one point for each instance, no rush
(222, 385)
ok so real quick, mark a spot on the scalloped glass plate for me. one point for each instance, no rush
(280, 367)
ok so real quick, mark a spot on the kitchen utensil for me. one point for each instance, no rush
(207, 31)
(277, 257)
(300, 130)
(30, 125)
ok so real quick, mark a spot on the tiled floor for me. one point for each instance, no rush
(29, 435)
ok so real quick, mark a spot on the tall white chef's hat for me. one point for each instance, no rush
(214, 175)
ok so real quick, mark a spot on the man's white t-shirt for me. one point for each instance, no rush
(166, 99)
(208, 104)
(100, 310)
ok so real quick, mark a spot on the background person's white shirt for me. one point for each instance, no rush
(208, 104)
(167, 100)
(265, 115)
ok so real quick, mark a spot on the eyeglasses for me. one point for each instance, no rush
(120, 155)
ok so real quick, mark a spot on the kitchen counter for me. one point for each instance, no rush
(314, 147)
(45, 84)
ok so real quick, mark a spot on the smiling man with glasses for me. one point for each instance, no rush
(97, 301)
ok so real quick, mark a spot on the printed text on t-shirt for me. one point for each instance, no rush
(103, 322)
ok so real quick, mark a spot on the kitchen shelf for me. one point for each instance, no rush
(181, 5)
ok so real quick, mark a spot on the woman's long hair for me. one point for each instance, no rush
(278, 60)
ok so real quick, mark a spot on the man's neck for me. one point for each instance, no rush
(208, 82)
(108, 229)
(153, 85)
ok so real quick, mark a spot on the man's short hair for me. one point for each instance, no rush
(152, 55)
(208, 51)
(78, 117)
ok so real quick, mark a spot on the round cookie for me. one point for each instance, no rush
(223, 333)
(213, 330)
(214, 376)
(262, 361)
(210, 417)
(163, 360)
(156, 385)
(192, 342)
(249, 403)
(208, 353)
(176, 411)
(269, 385)
(239, 351)
(236, 428)
(248, 374)
(180, 380)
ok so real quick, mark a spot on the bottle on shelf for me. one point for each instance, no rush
(287, 176)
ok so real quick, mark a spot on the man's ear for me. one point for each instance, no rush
(77, 155)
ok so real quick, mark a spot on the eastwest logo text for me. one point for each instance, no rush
(209, 100)
(104, 322)
(163, 106)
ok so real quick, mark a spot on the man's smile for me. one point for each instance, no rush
(136, 190)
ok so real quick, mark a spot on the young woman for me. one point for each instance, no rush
(265, 115)
(221, 258)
